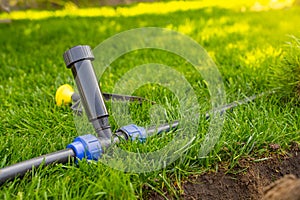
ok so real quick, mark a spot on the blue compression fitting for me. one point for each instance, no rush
(135, 132)
(86, 146)
(89, 147)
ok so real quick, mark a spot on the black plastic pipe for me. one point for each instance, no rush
(63, 156)
(163, 128)
(79, 60)
(19, 169)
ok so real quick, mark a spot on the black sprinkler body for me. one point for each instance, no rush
(79, 60)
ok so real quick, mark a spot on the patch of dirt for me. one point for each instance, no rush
(249, 184)
(274, 178)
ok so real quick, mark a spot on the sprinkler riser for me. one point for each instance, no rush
(79, 60)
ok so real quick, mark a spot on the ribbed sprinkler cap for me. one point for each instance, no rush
(77, 53)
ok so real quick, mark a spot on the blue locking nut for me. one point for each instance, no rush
(134, 132)
(86, 146)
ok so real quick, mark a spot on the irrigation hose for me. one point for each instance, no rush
(19, 169)
(89, 146)
(63, 156)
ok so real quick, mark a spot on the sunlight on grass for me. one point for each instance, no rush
(70, 9)
(256, 57)
(224, 31)
(220, 27)
(110, 25)
(271, 5)
(187, 28)
(240, 45)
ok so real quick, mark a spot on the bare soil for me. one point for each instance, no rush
(274, 178)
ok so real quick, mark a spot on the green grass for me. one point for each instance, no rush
(244, 45)
(285, 76)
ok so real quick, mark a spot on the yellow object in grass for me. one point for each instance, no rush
(64, 94)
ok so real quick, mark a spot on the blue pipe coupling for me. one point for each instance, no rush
(86, 146)
(89, 147)
(134, 132)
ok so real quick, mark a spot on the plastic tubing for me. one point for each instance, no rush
(19, 169)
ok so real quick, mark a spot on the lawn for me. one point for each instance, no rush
(246, 41)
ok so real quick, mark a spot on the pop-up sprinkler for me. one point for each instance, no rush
(90, 147)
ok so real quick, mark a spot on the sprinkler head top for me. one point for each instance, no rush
(64, 94)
